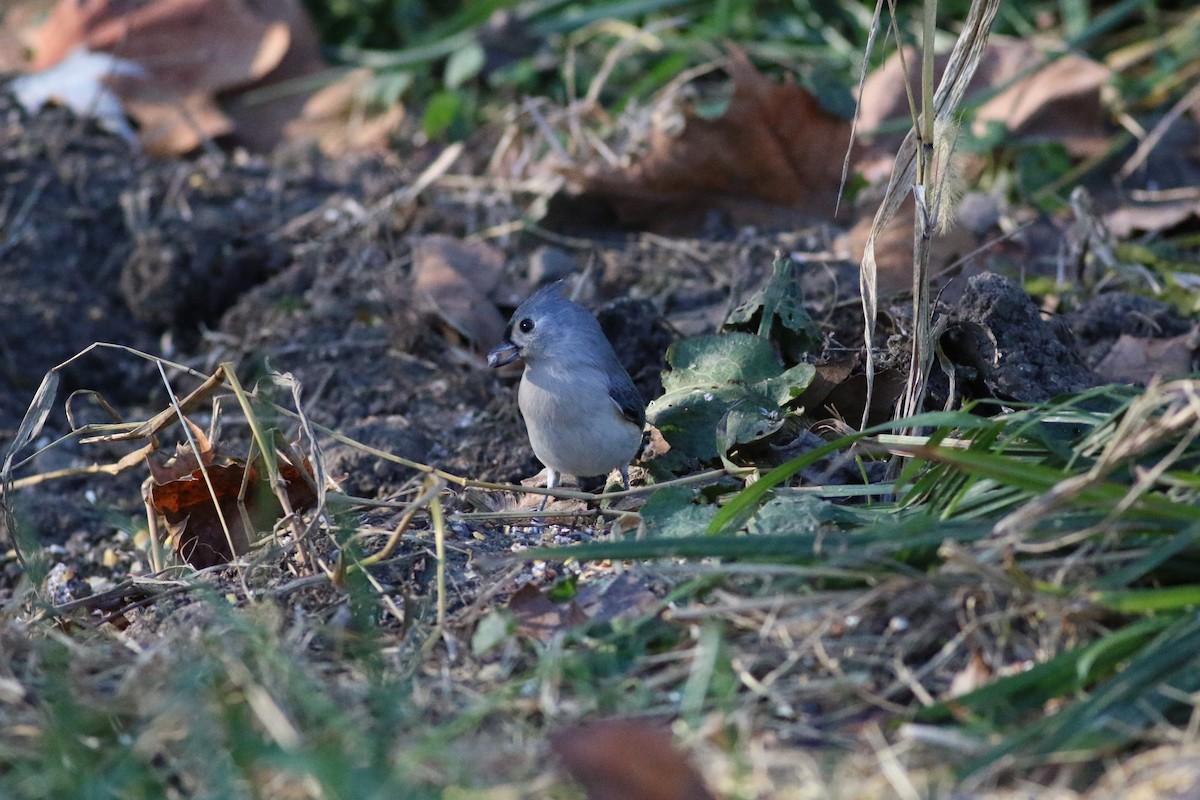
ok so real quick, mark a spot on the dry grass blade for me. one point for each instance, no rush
(188, 431)
(964, 60)
(872, 33)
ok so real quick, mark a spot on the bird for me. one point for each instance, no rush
(583, 413)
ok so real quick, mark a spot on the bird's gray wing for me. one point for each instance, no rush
(627, 397)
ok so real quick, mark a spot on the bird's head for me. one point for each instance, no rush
(545, 326)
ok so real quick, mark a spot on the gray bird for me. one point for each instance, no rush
(584, 415)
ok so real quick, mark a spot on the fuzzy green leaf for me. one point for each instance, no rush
(672, 512)
(712, 375)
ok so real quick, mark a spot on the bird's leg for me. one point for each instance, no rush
(625, 477)
(551, 482)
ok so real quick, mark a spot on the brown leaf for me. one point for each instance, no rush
(339, 121)
(827, 376)
(1133, 359)
(846, 399)
(894, 251)
(974, 675)
(186, 44)
(1060, 101)
(773, 153)
(18, 21)
(453, 279)
(539, 617)
(186, 460)
(627, 760)
(193, 513)
(263, 119)
(1127, 220)
(624, 597)
(192, 50)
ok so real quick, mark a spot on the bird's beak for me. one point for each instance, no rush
(503, 354)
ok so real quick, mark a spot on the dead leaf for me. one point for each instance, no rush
(957, 247)
(845, 401)
(826, 377)
(1127, 220)
(1136, 360)
(263, 119)
(627, 760)
(454, 279)
(186, 459)
(626, 596)
(18, 21)
(539, 617)
(773, 153)
(1059, 101)
(198, 516)
(192, 51)
(194, 514)
(339, 120)
(974, 675)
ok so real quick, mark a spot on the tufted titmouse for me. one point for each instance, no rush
(584, 415)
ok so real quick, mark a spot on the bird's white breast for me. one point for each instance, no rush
(574, 426)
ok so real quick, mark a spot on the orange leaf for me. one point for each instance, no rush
(194, 514)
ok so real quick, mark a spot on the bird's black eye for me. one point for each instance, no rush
(526, 325)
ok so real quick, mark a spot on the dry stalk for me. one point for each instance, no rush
(913, 169)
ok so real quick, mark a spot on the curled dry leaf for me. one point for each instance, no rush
(191, 50)
(454, 279)
(213, 526)
(627, 760)
(825, 377)
(1127, 220)
(773, 153)
(845, 401)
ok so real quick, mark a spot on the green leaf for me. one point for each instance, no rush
(709, 376)
(672, 511)
(790, 385)
(464, 64)
(737, 509)
(709, 361)
(751, 418)
(776, 312)
(440, 113)
(801, 515)
(1140, 601)
(386, 88)
(688, 418)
